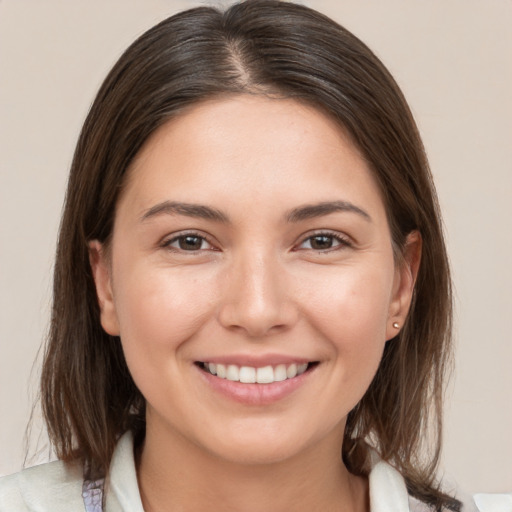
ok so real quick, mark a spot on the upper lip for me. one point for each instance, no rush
(256, 361)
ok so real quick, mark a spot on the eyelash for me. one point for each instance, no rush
(336, 237)
(343, 241)
(166, 244)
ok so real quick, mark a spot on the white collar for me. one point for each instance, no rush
(122, 486)
(388, 491)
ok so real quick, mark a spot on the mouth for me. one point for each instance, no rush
(256, 375)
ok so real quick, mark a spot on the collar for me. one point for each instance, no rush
(388, 491)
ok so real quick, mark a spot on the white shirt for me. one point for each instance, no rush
(57, 487)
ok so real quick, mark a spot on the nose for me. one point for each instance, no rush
(257, 297)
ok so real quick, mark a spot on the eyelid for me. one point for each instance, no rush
(173, 237)
(344, 240)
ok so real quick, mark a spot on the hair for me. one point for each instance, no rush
(260, 47)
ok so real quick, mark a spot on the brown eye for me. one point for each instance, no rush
(188, 243)
(321, 242)
(324, 242)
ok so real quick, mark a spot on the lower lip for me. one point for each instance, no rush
(256, 394)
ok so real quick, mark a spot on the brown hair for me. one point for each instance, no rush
(258, 47)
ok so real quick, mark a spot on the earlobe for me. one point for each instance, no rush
(403, 287)
(101, 272)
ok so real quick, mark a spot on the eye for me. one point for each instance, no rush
(190, 242)
(324, 242)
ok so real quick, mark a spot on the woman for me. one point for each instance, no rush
(252, 297)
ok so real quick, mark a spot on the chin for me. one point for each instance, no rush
(261, 452)
(261, 444)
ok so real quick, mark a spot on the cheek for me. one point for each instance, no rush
(350, 311)
(159, 309)
(356, 298)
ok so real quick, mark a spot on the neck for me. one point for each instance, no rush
(178, 476)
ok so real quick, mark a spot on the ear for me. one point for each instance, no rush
(406, 273)
(101, 272)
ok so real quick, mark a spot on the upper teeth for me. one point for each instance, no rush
(248, 374)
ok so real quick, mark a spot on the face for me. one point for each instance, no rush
(251, 278)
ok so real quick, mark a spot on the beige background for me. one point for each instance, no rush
(453, 60)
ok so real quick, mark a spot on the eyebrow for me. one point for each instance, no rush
(296, 215)
(325, 208)
(188, 209)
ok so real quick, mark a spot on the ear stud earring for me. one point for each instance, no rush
(396, 325)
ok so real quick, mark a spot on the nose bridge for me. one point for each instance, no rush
(256, 296)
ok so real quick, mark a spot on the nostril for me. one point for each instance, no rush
(257, 320)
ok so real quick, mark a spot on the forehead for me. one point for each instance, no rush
(240, 149)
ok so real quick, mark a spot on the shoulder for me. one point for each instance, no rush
(476, 503)
(10, 496)
(493, 502)
(55, 487)
(388, 493)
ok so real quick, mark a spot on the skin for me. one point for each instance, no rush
(255, 285)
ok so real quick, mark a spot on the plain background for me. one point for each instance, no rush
(453, 60)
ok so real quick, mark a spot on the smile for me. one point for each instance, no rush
(250, 375)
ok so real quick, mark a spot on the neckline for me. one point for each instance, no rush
(388, 492)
